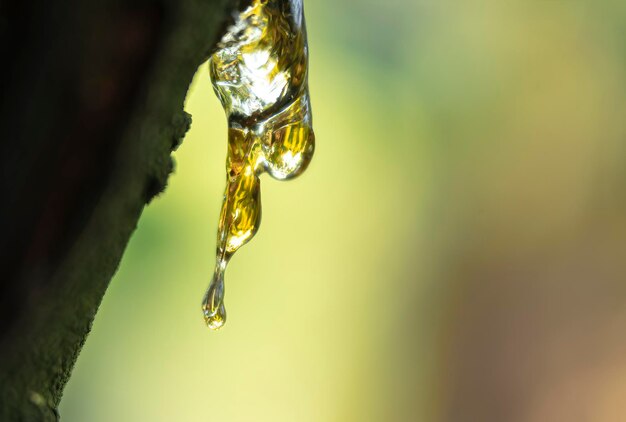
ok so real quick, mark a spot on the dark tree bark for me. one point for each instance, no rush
(91, 108)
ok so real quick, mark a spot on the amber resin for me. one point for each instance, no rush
(259, 74)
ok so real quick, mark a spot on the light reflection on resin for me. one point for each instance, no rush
(259, 74)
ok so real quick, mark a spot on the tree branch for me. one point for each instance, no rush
(91, 108)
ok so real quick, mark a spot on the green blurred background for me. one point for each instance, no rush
(455, 252)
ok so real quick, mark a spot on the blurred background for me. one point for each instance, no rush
(455, 252)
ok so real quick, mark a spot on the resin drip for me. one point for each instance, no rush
(259, 74)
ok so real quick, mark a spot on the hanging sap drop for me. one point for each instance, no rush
(259, 73)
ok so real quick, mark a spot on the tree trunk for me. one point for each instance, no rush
(91, 108)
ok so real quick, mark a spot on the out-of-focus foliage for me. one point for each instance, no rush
(457, 248)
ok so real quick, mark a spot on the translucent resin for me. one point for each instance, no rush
(259, 74)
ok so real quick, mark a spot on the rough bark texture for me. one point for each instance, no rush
(91, 108)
